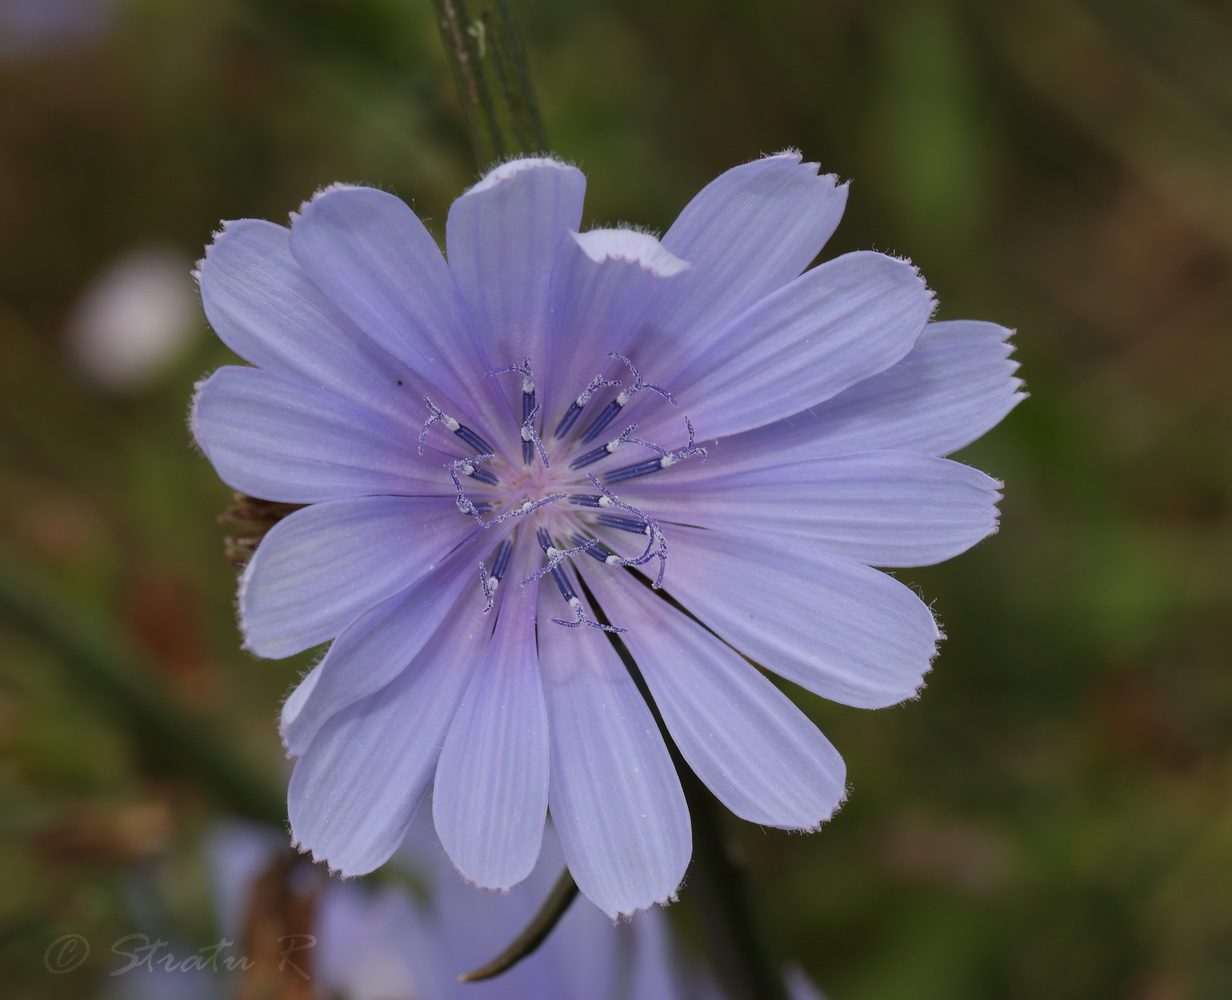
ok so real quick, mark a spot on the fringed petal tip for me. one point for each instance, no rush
(198, 271)
(804, 831)
(929, 295)
(626, 916)
(497, 890)
(516, 165)
(632, 247)
(922, 682)
(227, 229)
(320, 193)
(919, 275)
(791, 153)
(193, 422)
(337, 873)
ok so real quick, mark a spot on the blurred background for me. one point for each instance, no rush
(1052, 818)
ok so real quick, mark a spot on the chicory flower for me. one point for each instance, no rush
(559, 442)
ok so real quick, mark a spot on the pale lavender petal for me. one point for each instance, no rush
(615, 797)
(838, 324)
(503, 236)
(957, 383)
(298, 698)
(884, 508)
(759, 754)
(491, 793)
(377, 646)
(356, 788)
(263, 306)
(606, 282)
(279, 439)
(375, 260)
(836, 627)
(748, 232)
(321, 567)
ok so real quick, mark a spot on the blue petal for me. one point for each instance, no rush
(747, 233)
(884, 508)
(355, 790)
(264, 308)
(615, 797)
(836, 627)
(758, 753)
(834, 326)
(606, 282)
(375, 260)
(956, 384)
(503, 236)
(491, 793)
(298, 698)
(377, 646)
(326, 564)
(279, 439)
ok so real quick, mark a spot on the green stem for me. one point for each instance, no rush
(499, 120)
(563, 893)
(104, 673)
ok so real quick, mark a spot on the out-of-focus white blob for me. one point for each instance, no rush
(134, 319)
(31, 27)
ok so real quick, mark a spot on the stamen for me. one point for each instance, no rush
(579, 404)
(555, 557)
(461, 430)
(605, 417)
(608, 413)
(665, 460)
(634, 471)
(593, 547)
(527, 507)
(530, 440)
(588, 500)
(638, 384)
(653, 550)
(558, 574)
(581, 619)
(528, 378)
(473, 439)
(467, 467)
(594, 455)
(503, 554)
(492, 581)
(565, 587)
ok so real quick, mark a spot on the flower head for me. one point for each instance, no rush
(560, 443)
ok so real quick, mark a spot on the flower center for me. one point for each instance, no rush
(564, 483)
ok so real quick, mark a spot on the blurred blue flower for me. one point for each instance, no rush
(378, 942)
(383, 942)
(34, 27)
(562, 439)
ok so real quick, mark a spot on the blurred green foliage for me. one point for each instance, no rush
(1053, 817)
